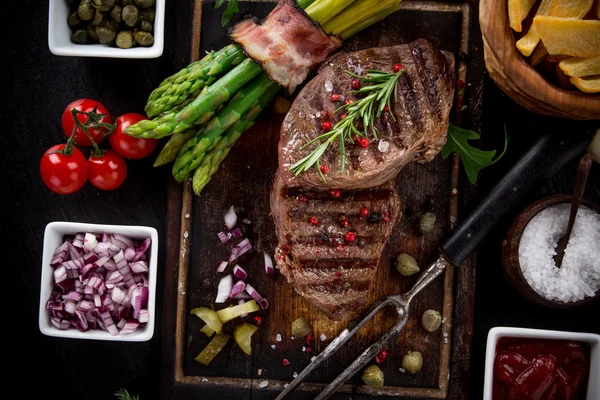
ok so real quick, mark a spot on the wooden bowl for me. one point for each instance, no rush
(510, 253)
(521, 82)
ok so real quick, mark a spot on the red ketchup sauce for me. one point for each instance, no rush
(540, 369)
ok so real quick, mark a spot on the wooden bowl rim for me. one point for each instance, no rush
(513, 244)
(547, 97)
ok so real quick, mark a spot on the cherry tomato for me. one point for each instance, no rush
(108, 171)
(129, 146)
(85, 105)
(61, 173)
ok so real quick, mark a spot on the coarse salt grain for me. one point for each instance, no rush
(313, 358)
(402, 370)
(295, 375)
(263, 384)
(273, 346)
(383, 146)
(323, 337)
(285, 385)
(328, 86)
(187, 215)
(186, 234)
(579, 275)
(303, 348)
(278, 337)
(204, 380)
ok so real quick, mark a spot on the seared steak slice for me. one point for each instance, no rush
(425, 94)
(331, 272)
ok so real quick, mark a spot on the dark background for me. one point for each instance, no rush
(35, 88)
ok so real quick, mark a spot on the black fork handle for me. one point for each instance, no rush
(544, 159)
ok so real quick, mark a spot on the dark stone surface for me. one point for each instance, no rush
(36, 86)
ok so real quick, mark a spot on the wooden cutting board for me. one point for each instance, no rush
(244, 180)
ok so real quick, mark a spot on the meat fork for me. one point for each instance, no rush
(546, 156)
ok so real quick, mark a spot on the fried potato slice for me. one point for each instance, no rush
(570, 8)
(569, 36)
(529, 42)
(587, 85)
(579, 67)
(517, 12)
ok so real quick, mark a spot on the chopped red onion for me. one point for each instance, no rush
(61, 324)
(139, 299)
(224, 237)
(129, 242)
(144, 316)
(121, 323)
(240, 302)
(243, 295)
(268, 264)
(225, 285)
(240, 273)
(117, 295)
(237, 289)
(237, 233)
(222, 266)
(230, 218)
(139, 266)
(78, 240)
(70, 306)
(73, 252)
(139, 252)
(102, 248)
(264, 304)
(130, 327)
(90, 241)
(120, 256)
(60, 254)
(241, 248)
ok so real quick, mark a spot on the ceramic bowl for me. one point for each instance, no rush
(53, 237)
(60, 44)
(593, 388)
(510, 253)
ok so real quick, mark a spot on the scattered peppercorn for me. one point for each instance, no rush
(324, 169)
(285, 362)
(335, 97)
(343, 115)
(374, 217)
(335, 193)
(344, 224)
(349, 101)
(460, 84)
(355, 84)
(398, 67)
(364, 212)
(324, 237)
(427, 223)
(381, 356)
(326, 126)
(257, 320)
(350, 236)
(314, 221)
(362, 142)
(310, 338)
(386, 108)
(285, 249)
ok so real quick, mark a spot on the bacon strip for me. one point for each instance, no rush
(287, 43)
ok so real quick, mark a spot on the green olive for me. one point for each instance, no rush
(92, 35)
(115, 13)
(130, 15)
(144, 3)
(145, 26)
(104, 5)
(80, 36)
(373, 376)
(73, 21)
(144, 38)
(124, 39)
(85, 10)
(105, 35)
(98, 18)
(148, 15)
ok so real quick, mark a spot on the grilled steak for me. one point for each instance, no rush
(425, 94)
(328, 268)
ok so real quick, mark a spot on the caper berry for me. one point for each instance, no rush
(145, 26)
(300, 328)
(427, 223)
(103, 5)
(112, 25)
(98, 18)
(431, 320)
(127, 2)
(148, 14)
(105, 35)
(85, 10)
(144, 38)
(115, 13)
(144, 3)
(124, 39)
(412, 362)
(406, 265)
(73, 21)
(375, 217)
(130, 15)
(373, 376)
(80, 36)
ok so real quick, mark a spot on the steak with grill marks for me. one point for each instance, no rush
(424, 99)
(330, 272)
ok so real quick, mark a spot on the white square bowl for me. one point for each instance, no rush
(593, 388)
(53, 237)
(60, 44)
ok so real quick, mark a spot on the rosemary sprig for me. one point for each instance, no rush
(379, 89)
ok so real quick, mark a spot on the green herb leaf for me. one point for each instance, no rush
(219, 3)
(232, 8)
(123, 394)
(474, 159)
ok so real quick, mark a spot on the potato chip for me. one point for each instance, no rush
(579, 67)
(587, 85)
(570, 8)
(569, 36)
(517, 12)
(528, 43)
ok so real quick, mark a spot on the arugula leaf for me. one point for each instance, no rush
(474, 159)
(123, 394)
(232, 8)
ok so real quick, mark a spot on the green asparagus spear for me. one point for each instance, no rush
(188, 84)
(171, 149)
(193, 151)
(210, 163)
(216, 94)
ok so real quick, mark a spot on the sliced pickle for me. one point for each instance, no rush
(243, 336)
(227, 314)
(210, 317)
(212, 349)
(207, 330)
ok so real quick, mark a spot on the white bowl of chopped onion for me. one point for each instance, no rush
(98, 281)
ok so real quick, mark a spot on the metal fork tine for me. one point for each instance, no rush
(338, 342)
(362, 360)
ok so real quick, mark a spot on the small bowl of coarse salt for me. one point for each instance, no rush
(530, 245)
